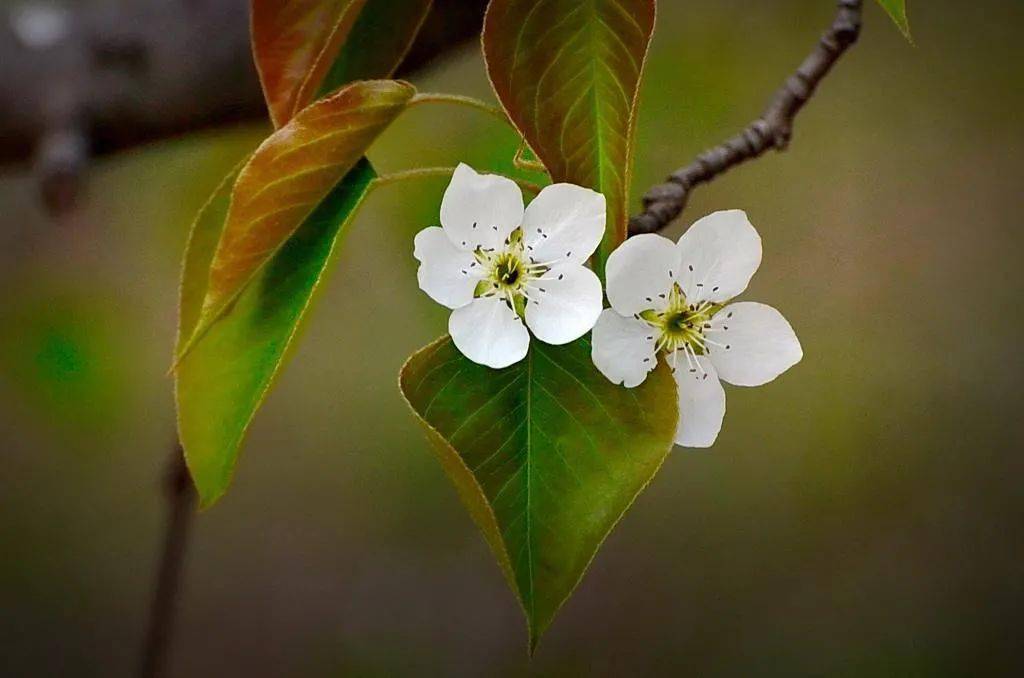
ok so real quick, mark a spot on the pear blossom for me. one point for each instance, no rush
(673, 299)
(497, 264)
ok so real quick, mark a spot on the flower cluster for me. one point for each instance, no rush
(497, 265)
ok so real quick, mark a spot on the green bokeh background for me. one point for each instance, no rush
(860, 516)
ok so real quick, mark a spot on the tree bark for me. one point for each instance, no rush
(773, 130)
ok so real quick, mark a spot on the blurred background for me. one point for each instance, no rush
(860, 516)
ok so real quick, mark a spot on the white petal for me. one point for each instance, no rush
(623, 348)
(701, 401)
(640, 273)
(488, 332)
(758, 344)
(480, 210)
(446, 273)
(565, 223)
(564, 303)
(720, 254)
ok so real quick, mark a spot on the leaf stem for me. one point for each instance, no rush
(459, 100)
(522, 162)
(426, 172)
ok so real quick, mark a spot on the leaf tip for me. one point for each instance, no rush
(897, 11)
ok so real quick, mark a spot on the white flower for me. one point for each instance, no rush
(495, 264)
(673, 298)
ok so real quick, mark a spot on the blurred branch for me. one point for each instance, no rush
(181, 507)
(87, 79)
(773, 130)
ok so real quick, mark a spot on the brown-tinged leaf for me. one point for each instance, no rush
(288, 177)
(222, 381)
(293, 42)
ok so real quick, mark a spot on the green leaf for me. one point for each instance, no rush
(287, 178)
(897, 9)
(378, 42)
(222, 381)
(568, 73)
(547, 455)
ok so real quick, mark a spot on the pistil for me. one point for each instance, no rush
(682, 326)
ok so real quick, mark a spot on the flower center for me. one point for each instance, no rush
(682, 326)
(508, 270)
(509, 273)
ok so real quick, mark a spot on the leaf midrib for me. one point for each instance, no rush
(529, 455)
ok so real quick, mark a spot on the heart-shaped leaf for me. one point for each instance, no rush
(224, 377)
(568, 73)
(547, 455)
(897, 9)
(287, 177)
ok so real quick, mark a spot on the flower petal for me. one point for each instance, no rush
(756, 344)
(720, 254)
(565, 223)
(701, 401)
(488, 332)
(623, 348)
(640, 273)
(446, 273)
(564, 303)
(480, 210)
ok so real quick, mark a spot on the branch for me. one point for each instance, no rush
(181, 507)
(773, 130)
(80, 80)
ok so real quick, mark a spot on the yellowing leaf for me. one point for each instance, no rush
(287, 178)
(568, 72)
(546, 455)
